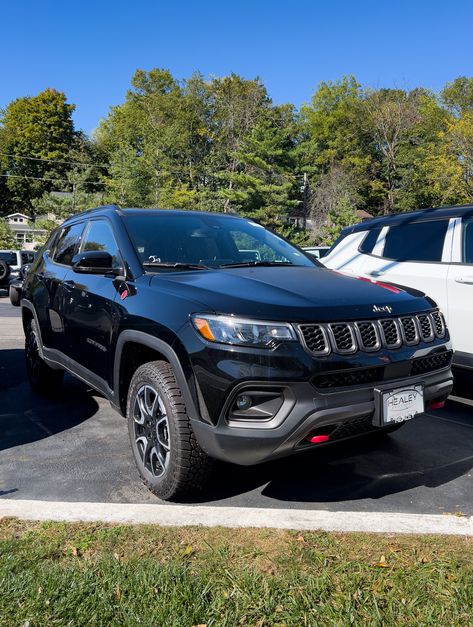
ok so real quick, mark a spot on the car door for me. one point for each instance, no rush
(90, 314)
(414, 254)
(46, 287)
(460, 292)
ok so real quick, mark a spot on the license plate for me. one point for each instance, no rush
(401, 404)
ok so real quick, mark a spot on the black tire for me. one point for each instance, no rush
(167, 454)
(4, 270)
(43, 379)
(15, 296)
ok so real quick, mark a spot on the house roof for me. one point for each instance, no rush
(17, 214)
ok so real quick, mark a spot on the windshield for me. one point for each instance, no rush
(9, 257)
(207, 240)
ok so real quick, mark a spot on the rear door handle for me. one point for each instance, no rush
(376, 273)
(468, 280)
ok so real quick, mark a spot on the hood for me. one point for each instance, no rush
(291, 293)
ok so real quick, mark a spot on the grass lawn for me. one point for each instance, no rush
(93, 574)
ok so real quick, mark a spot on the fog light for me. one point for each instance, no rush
(243, 402)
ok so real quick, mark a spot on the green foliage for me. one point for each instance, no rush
(341, 215)
(40, 127)
(222, 145)
(7, 237)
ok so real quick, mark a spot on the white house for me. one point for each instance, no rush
(26, 234)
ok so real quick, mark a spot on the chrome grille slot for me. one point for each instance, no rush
(390, 332)
(410, 331)
(315, 338)
(343, 337)
(439, 324)
(368, 336)
(426, 327)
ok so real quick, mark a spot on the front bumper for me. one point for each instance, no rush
(222, 372)
(344, 413)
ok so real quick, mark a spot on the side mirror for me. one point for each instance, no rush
(94, 262)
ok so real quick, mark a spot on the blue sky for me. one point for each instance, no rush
(90, 49)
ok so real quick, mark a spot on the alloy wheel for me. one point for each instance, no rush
(151, 430)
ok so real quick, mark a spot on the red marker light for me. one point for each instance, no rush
(436, 404)
(124, 294)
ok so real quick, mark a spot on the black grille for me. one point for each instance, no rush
(361, 425)
(343, 336)
(426, 329)
(391, 333)
(410, 330)
(349, 377)
(369, 337)
(353, 377)
(439, 324)
(314, 338)
(431, 363)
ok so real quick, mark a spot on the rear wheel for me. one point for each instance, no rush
(166, 452)
(42, 378)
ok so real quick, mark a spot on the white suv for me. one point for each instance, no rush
(429, 249)
(11, 262)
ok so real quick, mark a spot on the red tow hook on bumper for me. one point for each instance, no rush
(317, 439)
(436, 404)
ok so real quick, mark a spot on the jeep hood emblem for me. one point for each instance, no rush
(382, 309)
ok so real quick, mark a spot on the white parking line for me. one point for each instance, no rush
(234, 517)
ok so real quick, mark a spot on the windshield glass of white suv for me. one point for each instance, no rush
(214, 241)
(9, 257)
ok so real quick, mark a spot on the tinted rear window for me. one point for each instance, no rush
(468, 242)
(419, 241)
(369, 241)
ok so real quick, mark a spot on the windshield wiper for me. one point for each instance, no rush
(178, 265)
(250, 264)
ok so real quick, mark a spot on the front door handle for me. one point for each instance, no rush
(468, 280)
(69, 285)
(376, 273)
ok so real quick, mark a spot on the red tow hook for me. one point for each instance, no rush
(436, 404)
(317, 439)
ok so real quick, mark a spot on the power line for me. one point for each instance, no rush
(42, 178)
(82, 163)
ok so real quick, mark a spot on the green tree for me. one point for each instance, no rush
(263, 183)
(7, 237)
(41, 129)
(457, 96)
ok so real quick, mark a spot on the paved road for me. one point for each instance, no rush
(75, 448)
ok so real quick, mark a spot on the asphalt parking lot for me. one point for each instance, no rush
(75, 448)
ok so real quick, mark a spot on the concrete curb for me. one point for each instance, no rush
(235, 517)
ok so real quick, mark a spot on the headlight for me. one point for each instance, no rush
(228, 330)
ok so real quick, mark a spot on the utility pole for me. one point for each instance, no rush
(305, 200)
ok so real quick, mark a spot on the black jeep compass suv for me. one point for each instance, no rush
(218, 339)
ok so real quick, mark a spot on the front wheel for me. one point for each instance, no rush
(15, 296)
(166, 452)
(42, 378)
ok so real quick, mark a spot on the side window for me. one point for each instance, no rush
(467, 241)
(67, 244)
(369, 241)
(419, 241)
(99, 236)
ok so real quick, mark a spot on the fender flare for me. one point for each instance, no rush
(150, 341)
